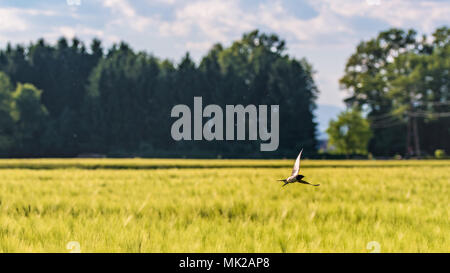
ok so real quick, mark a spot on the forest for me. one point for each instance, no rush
(68, 99)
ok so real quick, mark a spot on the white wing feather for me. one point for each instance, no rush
(296, 168)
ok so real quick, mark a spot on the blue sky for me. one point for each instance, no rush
(326, 32)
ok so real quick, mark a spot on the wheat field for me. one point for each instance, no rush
(166, 205)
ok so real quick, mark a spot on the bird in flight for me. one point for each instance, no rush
(295, 177)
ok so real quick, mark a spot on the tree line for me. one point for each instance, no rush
(67, 99)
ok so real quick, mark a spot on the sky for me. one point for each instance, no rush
(325, 32)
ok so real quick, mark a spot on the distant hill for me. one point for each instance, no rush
(324, 113)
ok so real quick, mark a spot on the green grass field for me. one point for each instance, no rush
(139, 205)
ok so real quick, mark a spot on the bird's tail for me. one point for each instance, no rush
(284, 181)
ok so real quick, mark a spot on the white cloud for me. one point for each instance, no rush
(166, 2)
(398, 13)
(308, 31)
(176, 28)
(127, 16)
(197, 46)
(13, 19)
(120, 6)
(221, 21)
(215, 19)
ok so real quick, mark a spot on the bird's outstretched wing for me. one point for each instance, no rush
(307, 183)
(297, 164)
